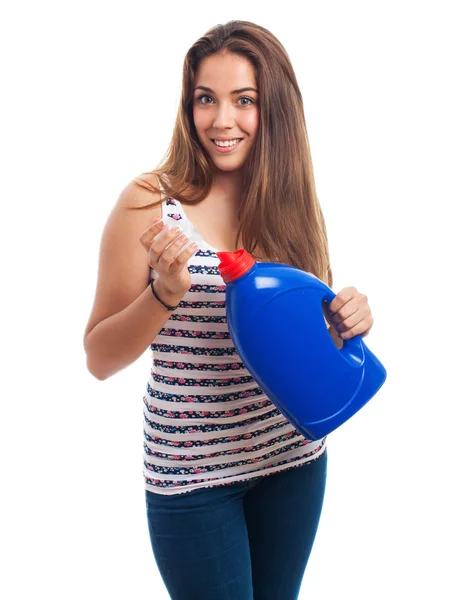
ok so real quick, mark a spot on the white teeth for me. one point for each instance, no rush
(232, 143)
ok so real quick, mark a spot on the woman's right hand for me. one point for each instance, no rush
(173, 274)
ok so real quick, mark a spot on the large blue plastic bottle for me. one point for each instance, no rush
(275, 319)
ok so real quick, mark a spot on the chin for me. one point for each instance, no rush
(231, 165)
(229, 169)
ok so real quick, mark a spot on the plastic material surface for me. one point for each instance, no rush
(275, 319)
(186, 227)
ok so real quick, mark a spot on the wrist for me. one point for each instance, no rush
(165, 296)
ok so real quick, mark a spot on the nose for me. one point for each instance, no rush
(224, 117)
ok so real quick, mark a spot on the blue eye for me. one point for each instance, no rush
(246, 98)
(199, 99)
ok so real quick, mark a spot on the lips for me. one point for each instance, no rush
(226, 140)
(226, 149)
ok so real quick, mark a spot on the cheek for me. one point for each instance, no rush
(201, 120)
(250, 122)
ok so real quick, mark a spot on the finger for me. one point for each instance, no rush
(351, 307)
(163, 239)
(343, 296)
(148, 235)
(327, 313)
(180, 261)
(358, 329)
(350, 322)
(347, 314)
(169, 254)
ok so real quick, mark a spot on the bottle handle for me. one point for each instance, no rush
(352, 349)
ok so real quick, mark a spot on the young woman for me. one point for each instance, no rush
(233, 492)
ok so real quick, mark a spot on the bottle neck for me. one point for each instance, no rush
(234, 265)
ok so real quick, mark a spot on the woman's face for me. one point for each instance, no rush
(224, 112)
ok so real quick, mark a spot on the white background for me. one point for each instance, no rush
(90, 93)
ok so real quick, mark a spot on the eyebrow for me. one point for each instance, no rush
(245, 89)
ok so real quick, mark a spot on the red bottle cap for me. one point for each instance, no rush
(234, 264)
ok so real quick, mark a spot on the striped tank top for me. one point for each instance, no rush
(206, 421)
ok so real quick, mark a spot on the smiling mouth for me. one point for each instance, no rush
(229, 144)
(226, 149)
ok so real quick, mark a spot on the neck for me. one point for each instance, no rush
(229, 186)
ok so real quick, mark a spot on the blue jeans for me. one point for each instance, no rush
(245, 541)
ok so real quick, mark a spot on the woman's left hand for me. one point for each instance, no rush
(349, 313)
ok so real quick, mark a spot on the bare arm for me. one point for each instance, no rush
(125, 317)
(119, 340)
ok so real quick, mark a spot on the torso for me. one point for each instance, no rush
(214, 219)
(217, 228)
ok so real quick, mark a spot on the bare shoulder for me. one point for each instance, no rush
(123, 269)
(140, 192)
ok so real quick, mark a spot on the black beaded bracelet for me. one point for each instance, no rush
(159, 299)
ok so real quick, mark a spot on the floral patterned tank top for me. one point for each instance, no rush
(206, 421)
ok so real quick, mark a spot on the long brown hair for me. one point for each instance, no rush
(280, 212)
